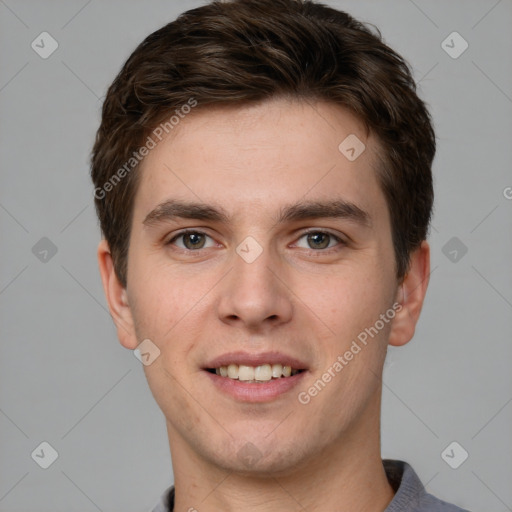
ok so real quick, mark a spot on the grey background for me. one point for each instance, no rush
(65, 379)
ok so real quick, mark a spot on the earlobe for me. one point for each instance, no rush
(410, 295)
(117, 298)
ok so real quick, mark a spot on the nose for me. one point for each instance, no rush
(254, 295)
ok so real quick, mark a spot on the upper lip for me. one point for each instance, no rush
(248, 359)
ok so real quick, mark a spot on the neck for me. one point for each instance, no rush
(346, 475)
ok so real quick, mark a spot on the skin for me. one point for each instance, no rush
(295, 298)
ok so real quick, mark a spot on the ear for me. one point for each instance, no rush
(117, 298)
(410, 296)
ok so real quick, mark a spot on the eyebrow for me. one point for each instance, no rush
(172, 209)
(336, 209)
(303, 210)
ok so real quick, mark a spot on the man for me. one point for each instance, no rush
(263, 182)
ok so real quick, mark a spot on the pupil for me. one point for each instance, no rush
(320, 240)
(193, 240)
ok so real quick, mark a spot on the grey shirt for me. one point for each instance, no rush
(410, 495)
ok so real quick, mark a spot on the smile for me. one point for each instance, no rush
(255, 378)
(260, 373)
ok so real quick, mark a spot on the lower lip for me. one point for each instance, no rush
(255, 392)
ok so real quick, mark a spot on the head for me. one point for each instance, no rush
(289, 142)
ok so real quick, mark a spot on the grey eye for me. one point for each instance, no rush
(192, 240)
(318, 240)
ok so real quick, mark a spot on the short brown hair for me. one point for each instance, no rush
(247, 51)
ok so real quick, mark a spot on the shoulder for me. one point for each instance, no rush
(166, 503)
(432, 504)
(410, 495)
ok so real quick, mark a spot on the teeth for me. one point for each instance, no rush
(233, 371)
(277, 370)
(245, 372)
(262, 373)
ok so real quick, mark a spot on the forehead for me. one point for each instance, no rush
(262, 156)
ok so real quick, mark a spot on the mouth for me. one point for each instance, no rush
(255, 374)
(255, 377)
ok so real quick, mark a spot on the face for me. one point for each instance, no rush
(258, 249)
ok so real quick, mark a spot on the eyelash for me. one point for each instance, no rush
(340, 241)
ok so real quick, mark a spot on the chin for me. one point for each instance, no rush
(264, 459)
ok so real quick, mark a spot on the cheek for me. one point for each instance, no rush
(160, 295)
(170, 311)
(350, 300)
(152, 307)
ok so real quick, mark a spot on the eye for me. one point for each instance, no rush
(191, 240)
(318, 240)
